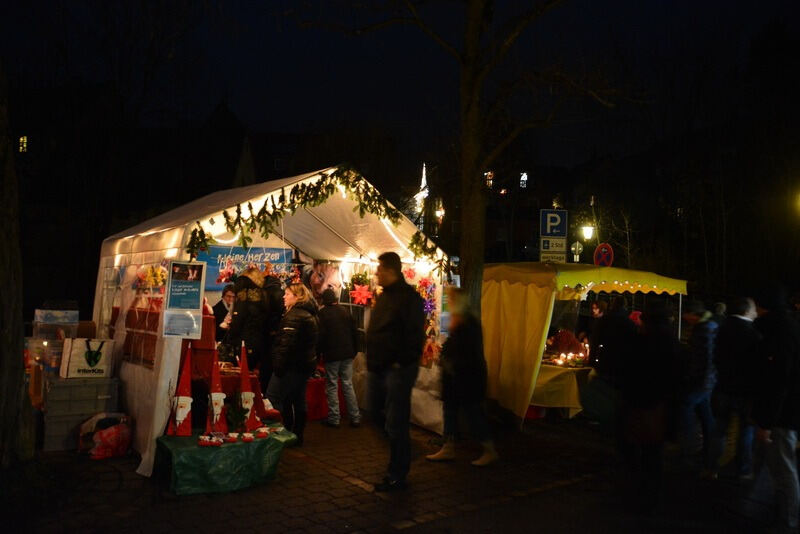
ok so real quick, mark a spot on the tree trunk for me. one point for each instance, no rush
(11, 328)
(472, 242)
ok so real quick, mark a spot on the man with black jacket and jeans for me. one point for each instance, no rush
(395, 338)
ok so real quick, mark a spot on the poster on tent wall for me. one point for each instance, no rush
(225, 263)
(183, 313)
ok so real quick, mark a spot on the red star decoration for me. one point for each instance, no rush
(361, 295)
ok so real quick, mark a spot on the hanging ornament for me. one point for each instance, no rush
(361, 295)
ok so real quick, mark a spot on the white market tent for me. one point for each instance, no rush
(332, 231)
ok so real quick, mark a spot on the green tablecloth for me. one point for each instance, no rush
(194, 469)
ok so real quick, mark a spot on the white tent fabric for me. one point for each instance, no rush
(331, 231)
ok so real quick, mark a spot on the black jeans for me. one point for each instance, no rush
(391, 389)
(288, 395)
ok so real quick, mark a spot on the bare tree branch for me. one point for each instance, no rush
(514, 133)
(504, 45)
(432, 34)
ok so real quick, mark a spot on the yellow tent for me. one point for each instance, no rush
(516, 306)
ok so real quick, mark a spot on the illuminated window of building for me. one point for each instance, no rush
(489, 178)
(23, 143)
(523, 180)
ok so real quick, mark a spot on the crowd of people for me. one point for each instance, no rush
(286, 337)
(737, 374)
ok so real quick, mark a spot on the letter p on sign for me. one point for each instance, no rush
(553, 222)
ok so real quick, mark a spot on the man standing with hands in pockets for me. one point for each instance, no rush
(395, 338)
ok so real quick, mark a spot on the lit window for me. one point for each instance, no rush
(489, 179)
(23, 143)
(523, 180)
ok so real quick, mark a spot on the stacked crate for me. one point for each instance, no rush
(68, 402)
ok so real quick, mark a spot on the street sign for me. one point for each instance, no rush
(576, 248)
(553, 223)
(553, 244)
(604, 255)
(553, 257)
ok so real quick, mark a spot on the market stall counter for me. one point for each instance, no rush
(559, 387)
(196, 469)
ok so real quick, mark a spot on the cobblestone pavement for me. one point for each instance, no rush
(553, 477)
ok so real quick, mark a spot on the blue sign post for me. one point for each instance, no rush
(553, 223)
(553, 236)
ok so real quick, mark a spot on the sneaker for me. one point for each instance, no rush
(355, 424)
(389, 485)
(327, 423)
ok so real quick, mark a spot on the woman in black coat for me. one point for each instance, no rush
(464, 382)
(294, 358)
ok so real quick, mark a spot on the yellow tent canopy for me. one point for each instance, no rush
(516, 306)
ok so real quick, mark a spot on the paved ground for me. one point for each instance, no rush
(555, 476)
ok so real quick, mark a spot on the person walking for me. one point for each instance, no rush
(735, 357)
(648, 380)
(776, 408)
(294, 358)
(395, 338)
(337, 346)
(464, 382)
(699, 377)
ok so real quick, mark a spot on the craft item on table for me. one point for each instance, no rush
(270, 412)
(231, 437)
(564, 341)
(251, 421)
(215, 442)
(262, 432)
(180, 420)
(361, 295)
(247, 437)
(204, 441)
(216, 419)
(570, 359)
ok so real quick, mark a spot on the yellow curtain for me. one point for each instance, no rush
(515, 321)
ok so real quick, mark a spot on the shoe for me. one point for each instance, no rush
(327, 423)
(445, 454)
(389, 485)
(355, 424)
(489, 455)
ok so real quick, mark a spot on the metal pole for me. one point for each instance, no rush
(680, 307)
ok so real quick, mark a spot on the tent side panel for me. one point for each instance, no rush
(515, 321)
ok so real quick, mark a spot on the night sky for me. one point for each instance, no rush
(680, 66)
(278, 77)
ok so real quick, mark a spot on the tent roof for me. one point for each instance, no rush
(566, 276)
(332, 230)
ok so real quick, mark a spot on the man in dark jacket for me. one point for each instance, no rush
(699, 377)
(735, 357)
(250, 313)
(612, 337)
(337, 345)
(395, 337)
(223, 311)
(273, 298)
(776, 409)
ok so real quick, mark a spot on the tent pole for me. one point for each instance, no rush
(680, 313)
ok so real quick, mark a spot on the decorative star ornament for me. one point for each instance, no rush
(361, 294)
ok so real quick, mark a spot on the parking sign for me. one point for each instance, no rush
(553, 223)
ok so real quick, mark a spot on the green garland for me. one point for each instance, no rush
(270, 214)
(420, 248)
